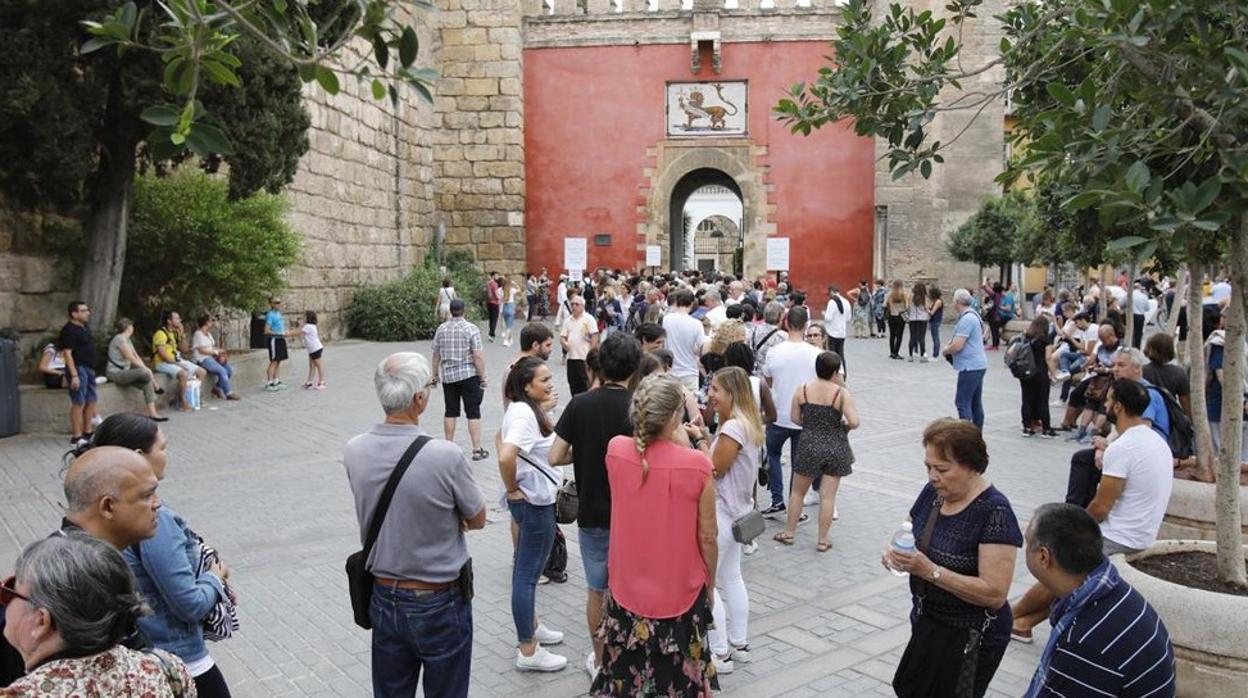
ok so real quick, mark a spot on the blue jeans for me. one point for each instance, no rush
(537, 537)
(595, 544)
(970, 396)
(223, 372)
(934, 326)
(1071, 361)
(414, 630)
(776, 436)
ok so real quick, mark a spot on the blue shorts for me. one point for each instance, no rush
(594, 543)
(86, 386)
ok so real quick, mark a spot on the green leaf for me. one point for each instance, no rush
(220, 74)
(925, 169)
(1206, 194)
(307, 73)
(381, 51)
(161, 115)
(1137, 176)
(209, 139)
(327, 79)
(95, 44)
(1100, 118)
(1061, 93)
(408, 46)
(1079, 202)
(379, 90)
(1126, 242)
(1147, 251)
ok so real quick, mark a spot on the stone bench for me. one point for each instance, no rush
(47, 411)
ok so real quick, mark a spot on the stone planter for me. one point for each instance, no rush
(1207, 629)
(1190, 514)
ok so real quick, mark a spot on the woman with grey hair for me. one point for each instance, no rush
(66, 609)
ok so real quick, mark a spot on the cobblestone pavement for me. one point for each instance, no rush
(262, 480)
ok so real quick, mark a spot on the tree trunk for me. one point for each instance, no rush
(1129, 310)
(1197, 371)
(105, 226)
(1172, 314)
(1230, 542)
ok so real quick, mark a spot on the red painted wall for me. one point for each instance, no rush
(590, 114)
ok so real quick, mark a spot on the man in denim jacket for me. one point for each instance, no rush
(421, 616)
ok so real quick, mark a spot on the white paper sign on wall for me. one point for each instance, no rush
(575, 275)
(654, 255)
(777, 254)
(575, 254)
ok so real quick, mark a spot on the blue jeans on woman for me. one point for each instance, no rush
(537, 537)
(223, 372)
(775, 437)
(414, 630)
(934, 327)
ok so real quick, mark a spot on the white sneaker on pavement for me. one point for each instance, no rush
(812, 497)
(751, 547)
(722, 666)
(591, 666)
(542, 659)
(546, 636)
(741, 655)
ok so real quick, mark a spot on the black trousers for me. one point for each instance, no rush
(837, 344)
(896, 328)
(1036, 401)
(578, 376)
(532, 306)
(930, 664)
(918, 337)
(1083, 479)
(493, 310)
(1137, 331)
(211, 684)
(995, 327)
(879, 325)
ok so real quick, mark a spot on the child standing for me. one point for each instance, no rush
(312, 342)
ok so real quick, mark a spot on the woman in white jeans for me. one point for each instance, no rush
(736, 456)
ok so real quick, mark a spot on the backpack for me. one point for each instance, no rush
(1182, 436)
(1020, 359)
(864, 299)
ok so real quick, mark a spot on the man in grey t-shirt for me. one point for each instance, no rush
(421, 547)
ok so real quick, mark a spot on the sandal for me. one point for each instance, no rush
(823, 546)
(480, 454)
(783, 538)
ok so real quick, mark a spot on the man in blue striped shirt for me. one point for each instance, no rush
(1106, 639)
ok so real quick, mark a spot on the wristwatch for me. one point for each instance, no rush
(936, 573)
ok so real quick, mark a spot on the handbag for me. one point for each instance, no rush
(567, 499)
(222, 620)
(1098, 388)
(748, 527)
(359, 579)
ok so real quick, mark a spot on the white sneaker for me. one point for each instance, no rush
(751, 548)
(591, 666)
(812, 497)
(722, 666)
(546, 636)
(1061, 376)
(542, 659)
(836, 514)
(741, 655)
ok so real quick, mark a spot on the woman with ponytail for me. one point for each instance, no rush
(663, 553)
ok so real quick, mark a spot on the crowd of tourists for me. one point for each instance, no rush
(72, 362)
(684, 391)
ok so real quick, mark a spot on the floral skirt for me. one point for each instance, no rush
(655, 657)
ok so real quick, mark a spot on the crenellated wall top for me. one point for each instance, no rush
(598, 8)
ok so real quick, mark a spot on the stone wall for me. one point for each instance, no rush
(478, 147)
(35, 287)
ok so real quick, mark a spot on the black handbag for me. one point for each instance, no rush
(567, 498)
(359, 579)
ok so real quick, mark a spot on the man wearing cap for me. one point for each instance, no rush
(275, 341)
(459, 364)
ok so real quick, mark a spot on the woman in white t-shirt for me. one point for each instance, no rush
(531, 484)
(316, 349)
(446, 294)
(736, 455)
(207, 356)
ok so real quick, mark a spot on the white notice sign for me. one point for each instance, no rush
(654, 255)
(575, 276)
(777, 254)
(575, 255)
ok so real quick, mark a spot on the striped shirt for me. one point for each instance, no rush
(1117, 646)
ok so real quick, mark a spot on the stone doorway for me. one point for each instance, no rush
(684, 166)
(689, 247)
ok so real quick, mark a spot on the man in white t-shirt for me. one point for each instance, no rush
(685, 338)
(577, 336)
(836, 321)
(789, 365)
(716, 311)
(1136, 478)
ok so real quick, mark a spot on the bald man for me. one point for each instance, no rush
(111, 494)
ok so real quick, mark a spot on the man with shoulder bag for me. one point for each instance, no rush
(412, 582)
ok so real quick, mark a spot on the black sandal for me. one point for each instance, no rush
(480, 454)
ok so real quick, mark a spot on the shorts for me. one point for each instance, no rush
(173, 369)
(314, 355)
(469, 391)
(594, 544)
(277, 348)
(86, 387)
(1109, 547)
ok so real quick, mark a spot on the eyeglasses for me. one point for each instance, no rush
(8, 592)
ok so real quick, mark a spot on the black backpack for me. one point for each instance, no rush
(1020, 359)
(1182, 436)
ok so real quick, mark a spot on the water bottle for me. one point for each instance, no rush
(192, 393)
(903, 542)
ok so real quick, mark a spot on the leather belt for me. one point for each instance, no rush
(413, 584)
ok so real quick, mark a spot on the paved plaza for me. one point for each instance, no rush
(262, 481)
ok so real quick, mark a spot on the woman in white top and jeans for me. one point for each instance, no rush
(736, 454)
(531, 483)
(205, 353)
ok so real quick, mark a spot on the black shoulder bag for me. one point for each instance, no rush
(359, 579)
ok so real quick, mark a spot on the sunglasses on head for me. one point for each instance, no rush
(8, 591)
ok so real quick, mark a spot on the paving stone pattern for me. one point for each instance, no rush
(262, 480)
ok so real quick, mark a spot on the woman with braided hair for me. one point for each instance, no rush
(663, 553)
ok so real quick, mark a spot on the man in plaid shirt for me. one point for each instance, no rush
(460, 366)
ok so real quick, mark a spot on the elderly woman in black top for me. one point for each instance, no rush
(967, 538)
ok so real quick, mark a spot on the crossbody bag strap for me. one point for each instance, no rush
(387, 494)
(763, 341)
(537, 467)
(926, 542)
